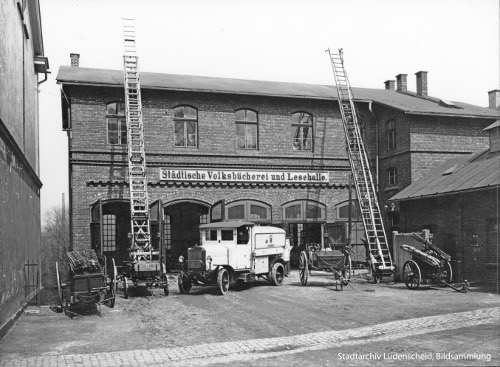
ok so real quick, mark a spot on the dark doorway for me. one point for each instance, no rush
(182, 221)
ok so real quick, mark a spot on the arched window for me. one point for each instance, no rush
(342, 211)
(304, 211)
(250, 210)
(116, 123)
(302, 131)
(186, 126)
(246, 129)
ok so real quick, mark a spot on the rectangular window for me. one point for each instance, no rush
(246, 129)
(226, 235)
(109, 232)
(391, 134)
(186, 126)
(213, 235)
(393, 176)
(302, 131)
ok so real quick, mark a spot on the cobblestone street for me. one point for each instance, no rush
(263, 325)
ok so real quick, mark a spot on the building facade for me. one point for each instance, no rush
(273, 153)
(22, 61)
(458, 203)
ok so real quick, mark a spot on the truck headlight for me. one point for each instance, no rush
(181, 259)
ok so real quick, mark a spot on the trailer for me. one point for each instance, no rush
(88, 283)
(335, 261)
(429, 263)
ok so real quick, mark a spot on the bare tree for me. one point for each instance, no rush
(55, 244)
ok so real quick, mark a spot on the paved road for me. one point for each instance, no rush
(303, 347)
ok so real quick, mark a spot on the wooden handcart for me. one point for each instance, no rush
(87, 284)
(429, 263)
(335, 261)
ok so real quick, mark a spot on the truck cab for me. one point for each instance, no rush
(236, 252)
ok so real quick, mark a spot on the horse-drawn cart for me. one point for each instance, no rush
(87, 283)
(429, 263)
(335, 261)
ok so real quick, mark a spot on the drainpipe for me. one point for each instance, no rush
(376, 148)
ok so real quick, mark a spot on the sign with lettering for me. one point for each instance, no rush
(217, 211)
(167, 174)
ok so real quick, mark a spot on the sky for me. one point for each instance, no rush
(456, 41)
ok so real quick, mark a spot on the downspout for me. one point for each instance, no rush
(376, 148)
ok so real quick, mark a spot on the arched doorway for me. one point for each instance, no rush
(181, 229)
(110, 228)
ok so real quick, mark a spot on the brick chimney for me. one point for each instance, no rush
(494, 97)
(74, 59)
(401, 82)
(390, 84)
(421, 83)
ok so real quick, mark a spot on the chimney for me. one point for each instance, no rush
(494, 97)
(401, 82)
(421, 83)
(390, 84)
(74, 59)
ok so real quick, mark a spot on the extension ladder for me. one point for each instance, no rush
(139, 208)
(380, 257)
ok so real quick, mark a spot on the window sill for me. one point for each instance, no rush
(391, 188)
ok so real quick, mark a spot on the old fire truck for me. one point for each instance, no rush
(236, 252)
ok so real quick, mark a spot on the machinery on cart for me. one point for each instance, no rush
(380, 260)
(87, 284)
(336, 261)
(145, 266)
(429, 263)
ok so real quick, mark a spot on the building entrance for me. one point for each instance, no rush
(181, 230)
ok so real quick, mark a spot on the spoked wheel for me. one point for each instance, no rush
(59, 288)
(184, 284)
(223, 281)
(347, 272)
(303, 268)
(447, 275)
(113, 285)
(411, 274)
(277, 274)
(125, 287)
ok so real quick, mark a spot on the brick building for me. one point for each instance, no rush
(274, 152)
(22, 60)
(458, 203)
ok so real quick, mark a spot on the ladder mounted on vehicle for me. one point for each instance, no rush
(380, 257)
(139, 208)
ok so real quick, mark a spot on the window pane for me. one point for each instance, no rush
(213, 235)
(191, 127)
(240, 136)
(120, 108)
(240, 142)
(111, 109)
(226, 235)
(179, 112)
(240, 115)
(306, 118)
(293, 212)
(258, 212)
(113, 125)
(236, 212)
(251, 136)
(179, 133)
(251, 116)
(190, 113)
(313, 212)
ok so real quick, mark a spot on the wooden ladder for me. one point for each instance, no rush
(376, 238)
(139, 208)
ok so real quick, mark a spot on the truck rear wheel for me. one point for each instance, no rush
(223, 281)
(277, 274)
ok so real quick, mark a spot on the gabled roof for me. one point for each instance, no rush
(455, 176)
(405, 102)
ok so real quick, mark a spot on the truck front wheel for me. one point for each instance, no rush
(184, 284)
(277, 274)
(223, 281)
